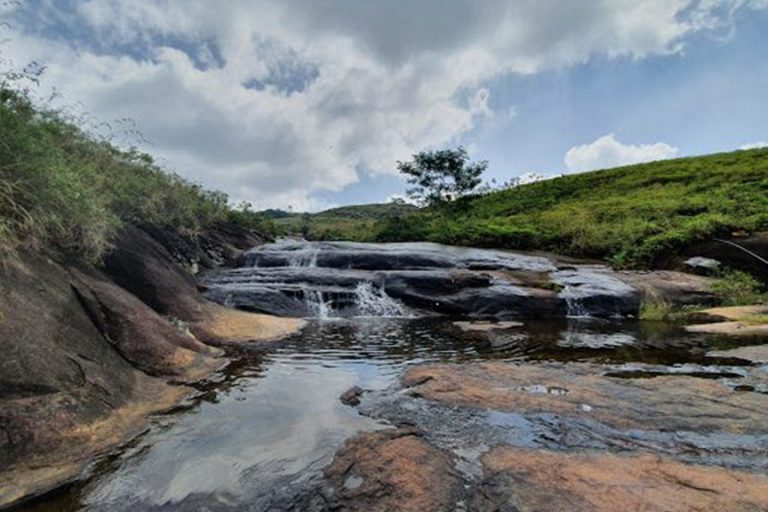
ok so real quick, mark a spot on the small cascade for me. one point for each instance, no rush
(375, 302)
(304, 258)
(575, 307)
(317, 306)
(346, 279)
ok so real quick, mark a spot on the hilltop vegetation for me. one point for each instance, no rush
(630, 216)
(355, 222)
(63, 187)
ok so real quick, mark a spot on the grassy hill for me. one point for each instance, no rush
(63, 187)
(630, 216)
(355, 222)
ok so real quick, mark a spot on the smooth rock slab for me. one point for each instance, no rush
(536, 480)
(389, 470)
(671, 403)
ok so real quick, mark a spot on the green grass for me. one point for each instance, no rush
(355, 222)
(62, 187)
(632, 216)
(737, 288)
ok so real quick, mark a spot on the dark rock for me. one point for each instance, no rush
(219, 245)
(85, 360)
(352, 396)
(140, 335)
(66, 393)
(730, 255)
(676, 289)
(290, 278)
(143, 266)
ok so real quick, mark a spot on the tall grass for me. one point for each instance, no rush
(64, 187)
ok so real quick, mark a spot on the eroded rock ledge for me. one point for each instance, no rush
(89, 353)
(576, 436)
(294, 278)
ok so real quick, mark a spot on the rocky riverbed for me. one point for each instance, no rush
(429, 378)
(343, 279)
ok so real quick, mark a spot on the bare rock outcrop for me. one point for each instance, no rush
(394, 469)
(532, 480)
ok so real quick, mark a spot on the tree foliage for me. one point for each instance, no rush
(441, 175)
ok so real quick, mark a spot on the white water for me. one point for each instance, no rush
(369, 301)
(375, 302)
(317, 305)
(575, 307)
(302, 258)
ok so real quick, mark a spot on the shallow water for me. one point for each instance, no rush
(261, 431)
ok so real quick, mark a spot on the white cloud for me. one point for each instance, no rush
(755, 145)
(608, 152)
(272, 101)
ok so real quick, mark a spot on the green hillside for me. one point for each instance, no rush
(630, 216)
(346, 222)
(63, 187)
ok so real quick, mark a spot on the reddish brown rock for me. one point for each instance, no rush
(673, 402)
(85, 361)
(140, 335)
(536, 480)
(391, 470)
(67, 393)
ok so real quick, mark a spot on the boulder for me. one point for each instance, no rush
(70, 383)
(702, 266)
(144, 267)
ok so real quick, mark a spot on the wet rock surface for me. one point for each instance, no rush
(587, 436)
(312, 278)
(88, 353)
(584, 396)
(393, 469)
(668, 401)
(71, 384)
(416, 414)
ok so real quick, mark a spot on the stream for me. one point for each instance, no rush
(258, 434)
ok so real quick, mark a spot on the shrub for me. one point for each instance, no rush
(737, 288)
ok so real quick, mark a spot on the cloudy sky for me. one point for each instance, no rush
(310, 103)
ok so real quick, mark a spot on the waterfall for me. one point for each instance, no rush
(316, 305)
(375, 302)
(574, 306)
(366, 301)
(304, 258)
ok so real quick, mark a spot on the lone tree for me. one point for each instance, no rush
(442, 175)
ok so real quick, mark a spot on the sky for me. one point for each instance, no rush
(309, 104)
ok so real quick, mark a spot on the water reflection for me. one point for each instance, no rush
(262, 430)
